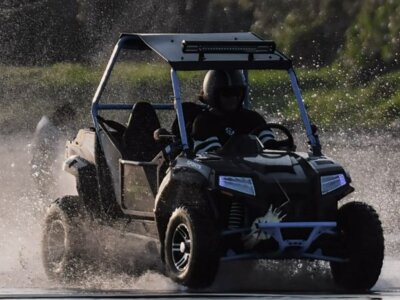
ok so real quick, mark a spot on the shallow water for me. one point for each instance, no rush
(372, 159)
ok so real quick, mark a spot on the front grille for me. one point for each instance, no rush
(300, 208)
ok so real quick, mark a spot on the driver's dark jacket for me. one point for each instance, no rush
(210, 131)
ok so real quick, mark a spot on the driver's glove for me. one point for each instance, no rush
(265, 136)
(210, 144)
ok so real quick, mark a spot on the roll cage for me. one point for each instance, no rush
(205, 51)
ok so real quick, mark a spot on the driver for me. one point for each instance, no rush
(224, 93)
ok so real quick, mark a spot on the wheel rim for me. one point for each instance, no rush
(56, 244)
(181, 247)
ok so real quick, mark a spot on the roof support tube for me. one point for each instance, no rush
(179, 109)
(104, 79)
(246, 102)
(314, 141)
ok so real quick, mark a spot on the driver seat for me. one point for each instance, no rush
(190, 111)
(138, 143)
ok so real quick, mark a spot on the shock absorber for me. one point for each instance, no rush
(236, 215)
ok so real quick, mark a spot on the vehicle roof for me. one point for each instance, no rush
(204, 51)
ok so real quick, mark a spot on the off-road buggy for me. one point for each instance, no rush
(244, 202)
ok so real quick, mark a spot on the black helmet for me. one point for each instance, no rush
(217, 81)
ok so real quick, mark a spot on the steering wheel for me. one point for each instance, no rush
(285, 144)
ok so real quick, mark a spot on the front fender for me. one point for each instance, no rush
(172, 186)
(175, 191)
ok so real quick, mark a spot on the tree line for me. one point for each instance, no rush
(360, 34)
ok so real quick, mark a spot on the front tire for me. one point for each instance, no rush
(191, 248)
(63, 243)
(362, 238)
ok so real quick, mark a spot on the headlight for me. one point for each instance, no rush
(240, 184)
(330, 183)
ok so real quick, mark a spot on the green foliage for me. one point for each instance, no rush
(39, 31)
(228, 16)
(373, 41)
(364, 35)
(376, 104)
(312, 38)
(29, 92)
(349, 51)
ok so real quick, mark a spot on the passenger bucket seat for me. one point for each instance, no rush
(138, 143)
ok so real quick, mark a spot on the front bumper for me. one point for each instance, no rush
(306, 248)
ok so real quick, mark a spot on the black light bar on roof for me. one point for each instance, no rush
(245, 47)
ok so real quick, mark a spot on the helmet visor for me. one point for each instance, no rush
(232, 92)
(230, 99)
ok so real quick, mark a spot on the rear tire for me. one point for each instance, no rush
(64, 256)
(362, 238)
(191, 248)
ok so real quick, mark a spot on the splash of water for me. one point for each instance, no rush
(370, 158)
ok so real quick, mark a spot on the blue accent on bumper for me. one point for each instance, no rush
(289, 248)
